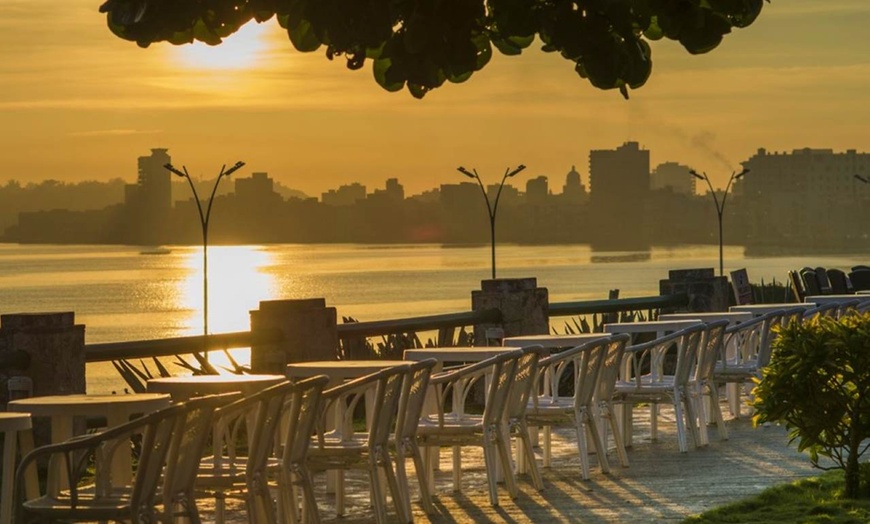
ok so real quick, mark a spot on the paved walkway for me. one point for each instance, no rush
(662, 485)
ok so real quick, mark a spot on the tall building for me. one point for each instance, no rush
(619, 183)
(808, 196)
(675, 176)
(148, 202)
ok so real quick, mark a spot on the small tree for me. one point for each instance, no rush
(818, 385)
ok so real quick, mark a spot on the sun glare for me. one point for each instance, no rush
(237, 284)
(241, 50)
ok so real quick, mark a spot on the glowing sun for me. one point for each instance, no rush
(241, 50)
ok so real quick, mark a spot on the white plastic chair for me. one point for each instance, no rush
(645, 380)
(162, 490)
(548, 407)
(302, 407)
(749, 344)
(458, 428)
(344, 449)
(609, 374)
(414, 389)
(712, 346)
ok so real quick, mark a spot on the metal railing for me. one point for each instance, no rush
(618, 305)
(444, 324)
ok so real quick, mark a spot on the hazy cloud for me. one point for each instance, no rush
(114, 132)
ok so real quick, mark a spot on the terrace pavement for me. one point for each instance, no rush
(661, 485)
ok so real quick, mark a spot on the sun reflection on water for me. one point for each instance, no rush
(237, 282)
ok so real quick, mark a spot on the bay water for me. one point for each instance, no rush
(121, 293)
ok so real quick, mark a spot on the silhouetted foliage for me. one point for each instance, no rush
(818, 386)
(423, 43)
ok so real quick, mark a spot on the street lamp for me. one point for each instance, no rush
(862, 179)
(720, 206)
(203, 219)
(491, 209)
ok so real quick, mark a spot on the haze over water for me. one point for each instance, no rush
(121, 295)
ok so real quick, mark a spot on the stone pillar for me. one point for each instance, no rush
(56, 349)
(707, 292)
(523, 305)
(308, 328)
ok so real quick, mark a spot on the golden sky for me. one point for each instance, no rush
(78, 103)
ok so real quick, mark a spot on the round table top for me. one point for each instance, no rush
(650, 326)
(87, 405)
(340, 369)
(185, 386)
(731, 316)
(457, 354)
(15, 421)
(553, 340)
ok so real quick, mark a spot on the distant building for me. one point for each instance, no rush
(393, 191)
(619, 183)
(807, 196)
(148, 202)
(574, 192)
(256, 187)
(675, 176)
(346, 195)
(537, 190)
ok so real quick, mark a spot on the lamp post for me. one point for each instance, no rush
(720, 207)
(862, 179)
(491, 209)
(203, 219)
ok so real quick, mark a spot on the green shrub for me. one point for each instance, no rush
(818, 385)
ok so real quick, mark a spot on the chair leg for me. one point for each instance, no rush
(692, 415)
(502, 443)
(547, 446)
(422, 479)
(526, 443)
(457, 469)
(713, 391)
(400, 494)
(698, 402)
(582, 449)
(489, 459)
(402, 479)
(600, 446)
(681, 424)
(377, 491)
(617, 438)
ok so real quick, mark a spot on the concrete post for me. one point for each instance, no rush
(523, 305)
(56, 349)
(707, 292)
(308, 328)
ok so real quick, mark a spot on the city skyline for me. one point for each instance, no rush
(793, 79)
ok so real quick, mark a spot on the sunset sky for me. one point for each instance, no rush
(79, 103)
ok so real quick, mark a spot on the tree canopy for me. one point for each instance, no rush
(420, 44)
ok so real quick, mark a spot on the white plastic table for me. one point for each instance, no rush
(833, 299)
(763, 309)
(15, 427)
(733, 317)
(553, 341)
(186, 386)
(339, 370)
(659, 327)
(117, 409)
